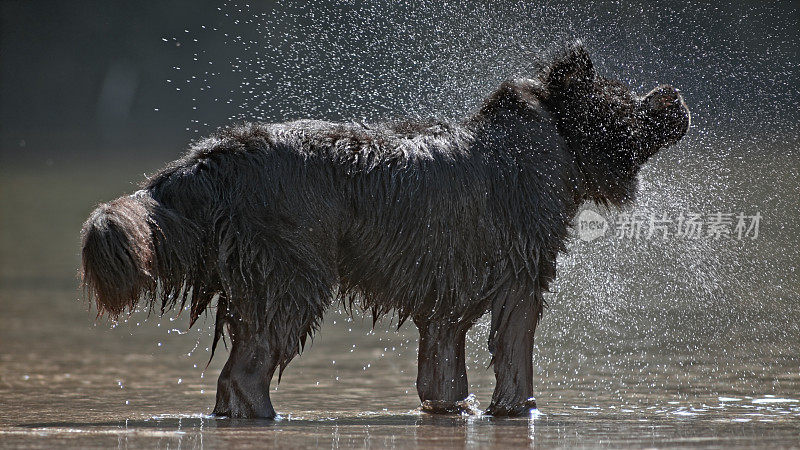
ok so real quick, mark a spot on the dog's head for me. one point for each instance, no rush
(611, 130)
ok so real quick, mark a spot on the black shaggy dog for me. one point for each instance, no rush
(440, 222)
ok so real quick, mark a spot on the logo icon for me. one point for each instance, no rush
(591, 225)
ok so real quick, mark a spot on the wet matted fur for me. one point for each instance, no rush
(441, 222)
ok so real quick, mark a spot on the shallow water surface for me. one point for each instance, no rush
(646, 366)
(72, 384)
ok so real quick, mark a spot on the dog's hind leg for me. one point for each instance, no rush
(513, 359)
(259, 348)
(243, 385)
(442, 373)
(276, 292)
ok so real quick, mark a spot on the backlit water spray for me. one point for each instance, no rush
(666, 309)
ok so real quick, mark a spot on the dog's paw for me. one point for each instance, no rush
(509, 410)
(468, 406)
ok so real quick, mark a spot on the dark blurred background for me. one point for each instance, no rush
(81, 79)
(89, 79)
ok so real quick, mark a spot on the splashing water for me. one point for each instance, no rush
(370, 61)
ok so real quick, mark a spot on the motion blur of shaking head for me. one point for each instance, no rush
(613, 131)
(441, 222)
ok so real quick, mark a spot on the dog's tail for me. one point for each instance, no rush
(134, 247)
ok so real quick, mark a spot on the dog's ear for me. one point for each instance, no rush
(512, 98)
(572, 66)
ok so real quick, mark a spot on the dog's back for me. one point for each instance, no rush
(410, 216)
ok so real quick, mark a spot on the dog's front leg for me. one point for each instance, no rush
(442, 374)
(513, 360)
